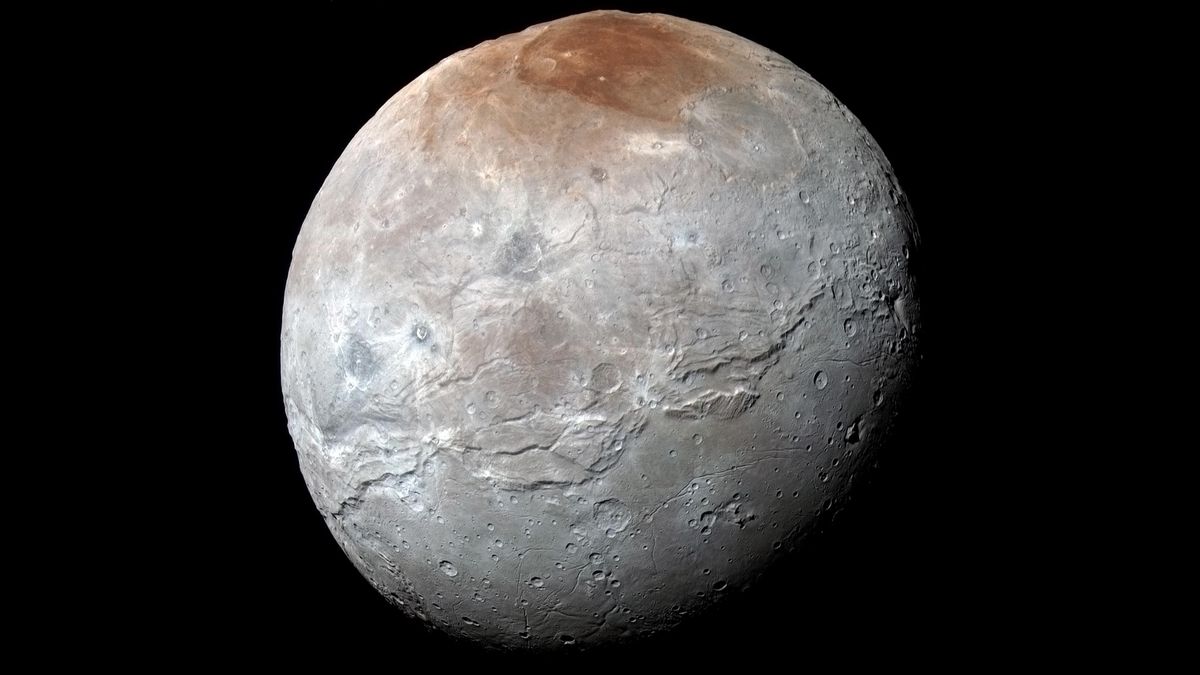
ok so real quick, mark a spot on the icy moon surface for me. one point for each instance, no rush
(590, 323)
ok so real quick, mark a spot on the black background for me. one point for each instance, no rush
(918, 563)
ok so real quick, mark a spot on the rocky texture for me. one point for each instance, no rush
(589, 322)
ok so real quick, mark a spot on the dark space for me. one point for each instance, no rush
(910, 566)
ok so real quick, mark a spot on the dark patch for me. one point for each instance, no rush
(358, 359)
(632, 64)
(599, 175)
(518, 248)
(519, 253)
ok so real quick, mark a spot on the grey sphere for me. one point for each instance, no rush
(589, 323)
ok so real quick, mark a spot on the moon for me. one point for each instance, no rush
(591, 324)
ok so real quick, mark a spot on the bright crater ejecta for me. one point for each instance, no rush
(590, 323)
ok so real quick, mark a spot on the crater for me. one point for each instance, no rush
(606, 378)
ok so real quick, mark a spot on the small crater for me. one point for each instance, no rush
(821, 380)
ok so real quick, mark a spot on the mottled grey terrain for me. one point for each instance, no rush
(589, 322)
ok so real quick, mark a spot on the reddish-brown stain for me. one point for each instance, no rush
(632, 64)
(535, 84)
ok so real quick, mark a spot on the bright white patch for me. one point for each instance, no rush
(654, 144)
